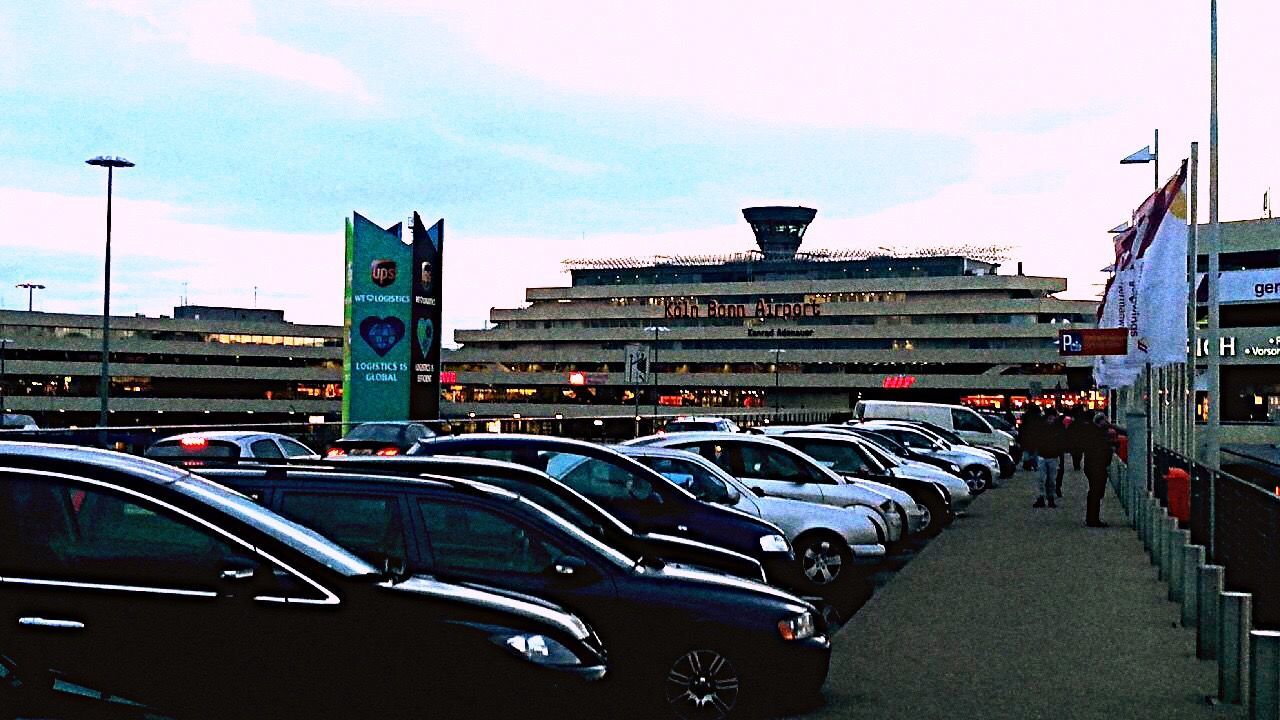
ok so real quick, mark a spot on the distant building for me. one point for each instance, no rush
(774, 327)
(205, 365)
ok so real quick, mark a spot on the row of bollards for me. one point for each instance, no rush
(1248, 660)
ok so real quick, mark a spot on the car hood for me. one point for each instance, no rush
(493, 600)
(730, 583)
(786, 511)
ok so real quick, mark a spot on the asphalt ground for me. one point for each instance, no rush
(1022, 613)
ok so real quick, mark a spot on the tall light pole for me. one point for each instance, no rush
(653, 368)
(104, 384)
(777, 395)
(4, 345)
(31, 288)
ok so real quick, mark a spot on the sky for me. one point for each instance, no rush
(547, 131)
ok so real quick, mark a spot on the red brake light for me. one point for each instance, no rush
(194, 443)
(335, 452)
(388, 452)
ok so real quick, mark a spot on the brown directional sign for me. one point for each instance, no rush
(1101, 341)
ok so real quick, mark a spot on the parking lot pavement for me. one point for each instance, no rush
(1022, 613)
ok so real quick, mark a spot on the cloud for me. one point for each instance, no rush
(225, 33)
(59, 240)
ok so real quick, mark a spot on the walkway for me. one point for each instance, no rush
(1022, 613)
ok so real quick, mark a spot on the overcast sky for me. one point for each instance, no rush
(545, 131)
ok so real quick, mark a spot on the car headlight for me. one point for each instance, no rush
(800, 627)
(774, 543)
(538, 649)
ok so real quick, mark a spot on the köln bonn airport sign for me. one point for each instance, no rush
(391, 355)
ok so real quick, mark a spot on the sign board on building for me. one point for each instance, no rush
(1099, 341)
(637, 364)
(1239, 286)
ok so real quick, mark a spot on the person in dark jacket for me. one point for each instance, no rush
(1076, 431)
(1050, 437)
(1098, 440)
(1026, 435)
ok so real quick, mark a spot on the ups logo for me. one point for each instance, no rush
(382, 272)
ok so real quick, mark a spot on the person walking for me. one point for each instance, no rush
(1066, 421)
(1076, 432)
(1027, 428)
(1098, 439)
(1050, 439)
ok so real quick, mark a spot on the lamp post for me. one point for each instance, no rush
(777, 399)
(31, 288)
(104, 383)
(653, 368)
(4, 345)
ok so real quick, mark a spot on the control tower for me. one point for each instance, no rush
(778, 229)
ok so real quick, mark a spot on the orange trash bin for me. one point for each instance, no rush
(1178, 483)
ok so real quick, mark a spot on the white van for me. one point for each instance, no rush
(958, 419)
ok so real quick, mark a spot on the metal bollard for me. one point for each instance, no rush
(1264, 700)
(1233, 646)
(1162, 546)
(1210, 587)
(1179, 540)
(1192, 560)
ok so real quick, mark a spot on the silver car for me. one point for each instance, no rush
(979, 468)
(827, 541)
(774, 468)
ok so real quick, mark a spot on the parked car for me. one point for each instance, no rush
(1005, 458)
(959, 419)
(684, 642)
(633, 493)
(911, 456)
(845, 455)
(770, 467)
(379, 438)
(829, 542)
(196, 449)
(144, 581)
(569, 504)
(701, 423)
(879, 462)
(976, 466)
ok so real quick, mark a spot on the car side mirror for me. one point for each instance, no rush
(570, 567)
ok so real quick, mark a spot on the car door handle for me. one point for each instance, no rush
(47, 623)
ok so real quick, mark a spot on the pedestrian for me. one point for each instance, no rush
(1031, 418)
(1050, 437)
(1076, 431)
(1099, 440)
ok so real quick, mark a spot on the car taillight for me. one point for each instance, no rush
(335, 452)
(194, 444)
(388, 452)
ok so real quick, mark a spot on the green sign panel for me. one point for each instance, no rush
(376, 372)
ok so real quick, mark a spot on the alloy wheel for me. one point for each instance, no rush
(974, 476)
(702, 685)
(821, 562)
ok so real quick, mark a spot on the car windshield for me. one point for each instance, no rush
(306, 541)
(699, 480)
(377, 432)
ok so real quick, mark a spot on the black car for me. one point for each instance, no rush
(146, 582)
(379, 438)
(635, 494)
(569, 505)
(1004, 457)
(694, 643)
(891, 445)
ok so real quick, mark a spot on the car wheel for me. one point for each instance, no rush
(824, 559)
(702, 684)
(935, 510)
(977, 477)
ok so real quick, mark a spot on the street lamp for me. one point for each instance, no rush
(104, 384)
(31, 288)
(777, 395)
(4, 344)
(653, 368)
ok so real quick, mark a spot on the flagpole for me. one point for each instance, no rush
(1156, 157)
(1193, 269)
(1212, 441)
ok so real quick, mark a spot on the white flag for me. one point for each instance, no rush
(1160, 262)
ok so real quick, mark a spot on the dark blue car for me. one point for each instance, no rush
(637, 495)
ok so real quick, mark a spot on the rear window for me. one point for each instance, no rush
(375, 431)
(691, 426)
(194, 449)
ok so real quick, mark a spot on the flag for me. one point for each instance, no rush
(1142, 156)
(1148, 293)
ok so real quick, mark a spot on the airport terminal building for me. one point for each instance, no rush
(773, 328)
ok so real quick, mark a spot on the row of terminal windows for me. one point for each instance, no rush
(794, 343)
(81, 356)
(57, 331)
(741, 368)
(160, 387)
(833, 321)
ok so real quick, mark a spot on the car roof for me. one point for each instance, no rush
(143, 468)
(699, 435)
(231, 435)
(313, 473)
